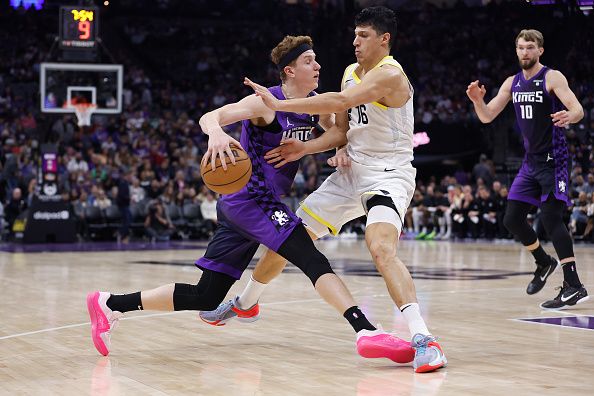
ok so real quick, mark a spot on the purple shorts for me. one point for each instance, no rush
(538, 178)
(243, 226)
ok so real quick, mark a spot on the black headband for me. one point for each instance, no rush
(292, 55)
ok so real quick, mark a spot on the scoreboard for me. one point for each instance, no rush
(79, 27)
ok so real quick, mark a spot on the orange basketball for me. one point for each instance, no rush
(234, 178)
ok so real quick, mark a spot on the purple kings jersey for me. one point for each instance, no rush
(534, 106)
(258, 140)
(545, 169)
(256, 215)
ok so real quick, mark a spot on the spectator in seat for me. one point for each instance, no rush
(14, 208)
(208, 208)
(137, 193)
(579, 217)
(157, 225)
(102, 201)
(488, 213)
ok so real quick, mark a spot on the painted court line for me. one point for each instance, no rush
(550, 324)
(263, 304)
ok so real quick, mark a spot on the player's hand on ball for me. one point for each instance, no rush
(219, 144)
(560, 118)
(341, 158)
(474, 92)
(267, 97)
(290, 150)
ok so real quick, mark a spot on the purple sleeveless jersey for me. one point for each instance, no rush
(545, 168)
(255, 214)
(534, 106)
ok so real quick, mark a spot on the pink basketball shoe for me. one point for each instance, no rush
(379, 344)
(103, 320)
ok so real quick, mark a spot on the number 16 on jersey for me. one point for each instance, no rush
(361, 115)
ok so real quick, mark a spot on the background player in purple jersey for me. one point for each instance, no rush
(539, 94)
(255, 215)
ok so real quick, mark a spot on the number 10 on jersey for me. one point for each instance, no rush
(526, 112)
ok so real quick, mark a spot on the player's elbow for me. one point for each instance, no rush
(484, 119)
(487, 118)
(202, 120)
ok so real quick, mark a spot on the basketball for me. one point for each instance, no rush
(234, 178)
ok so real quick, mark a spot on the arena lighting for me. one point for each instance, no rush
(38, 4)
(583, 4)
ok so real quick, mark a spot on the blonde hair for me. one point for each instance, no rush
(288, 43)
(531, 35)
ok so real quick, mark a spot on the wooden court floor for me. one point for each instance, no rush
(472, 296)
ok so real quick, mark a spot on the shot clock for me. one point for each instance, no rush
(79, 27)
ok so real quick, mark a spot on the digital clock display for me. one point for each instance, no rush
(79, 27)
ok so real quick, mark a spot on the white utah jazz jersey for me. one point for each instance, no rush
(379, 135)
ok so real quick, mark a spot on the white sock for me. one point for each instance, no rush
(251, 294)
(412, 314)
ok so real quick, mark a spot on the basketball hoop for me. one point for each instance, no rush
(83, 111)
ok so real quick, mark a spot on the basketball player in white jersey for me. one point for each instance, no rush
(377, 99)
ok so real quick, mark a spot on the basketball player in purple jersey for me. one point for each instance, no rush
(255, 215)
(539, 95)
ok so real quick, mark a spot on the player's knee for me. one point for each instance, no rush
(300, 250)
(314, 264)
(383, 253)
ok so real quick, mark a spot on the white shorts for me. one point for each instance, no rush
(343, 195)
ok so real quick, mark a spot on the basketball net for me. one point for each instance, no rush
(83, 111)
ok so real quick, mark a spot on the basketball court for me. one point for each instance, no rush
(473, 296)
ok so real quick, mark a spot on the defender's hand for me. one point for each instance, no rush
(290, 150)
(341, 158)
(268, 98)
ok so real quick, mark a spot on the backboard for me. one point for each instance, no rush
(62, 85)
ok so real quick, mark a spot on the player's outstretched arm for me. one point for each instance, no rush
(295, 149)
(487, 112)
(557, 83)
(212, 122)
(377, 84)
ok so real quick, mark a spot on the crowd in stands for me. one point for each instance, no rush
(176, 70)
(472, 205)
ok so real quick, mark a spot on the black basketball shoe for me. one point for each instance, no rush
(541, 274)
(567, 297)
